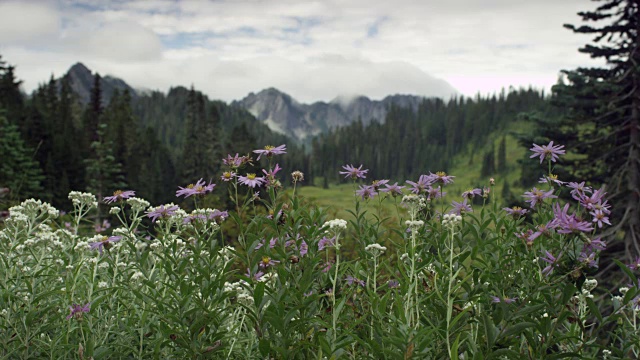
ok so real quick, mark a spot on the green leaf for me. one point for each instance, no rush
(264, 346)
(258, 294)
(517, 328)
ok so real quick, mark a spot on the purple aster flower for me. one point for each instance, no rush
(304, 248)
(596, 244)
(588, 257)
(551, 179)
(257, 276)
(105, 243)
(595, 200)
(578, 190)
(544, 229)
(376, 184)
(351, 280)
(635, 265)
(119, 195)
(251, 180)
(102, 227)
(569, 223)
(327, 267)
(77, 310)
(424, 182)
(366, 192)
(516, 211)
(459, 208)
(236, 161)
(470, 194)
(441, 177)
(394, 189)
(267, 262)
(506, 300)
(435, 193)
(269, 151)
(162, 212)
(547, 151)
(199, 188)
(219, 216)
(551, 260)
(353, 172)
(191, 218)
(536, 196)
(393, 284)
(526, 236)
(227, 176)
(326, 242)
(600, 218)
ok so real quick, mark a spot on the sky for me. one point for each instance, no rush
(313, 50)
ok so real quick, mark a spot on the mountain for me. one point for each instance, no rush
(82, 82)
(285, 115)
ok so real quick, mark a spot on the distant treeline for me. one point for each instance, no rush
(410, 143)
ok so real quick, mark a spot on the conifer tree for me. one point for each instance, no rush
(502, 155)
(603, 118)
(18, 171)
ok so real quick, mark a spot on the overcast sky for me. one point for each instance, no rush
(314, 50)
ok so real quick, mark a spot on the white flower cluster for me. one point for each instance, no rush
(137, 276)
(375, 248)
(336, 223)
(413, 201)
(137, 204)
(83, 199)
(590, 284)
(414, 225)
(451, 218)
(114, 210)
(33, 208)
(82, 246)
(226, 253)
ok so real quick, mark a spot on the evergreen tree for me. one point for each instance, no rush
(502, 155)
(488, 163)
(602, 123)
(10, 97)
(18, 171)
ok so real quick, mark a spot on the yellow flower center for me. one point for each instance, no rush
(269, 147)
(190, 186)
(516, 208)
(251, 176)
(441, 173)
(118, 193)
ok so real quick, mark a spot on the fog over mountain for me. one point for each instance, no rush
(282, 113)
(279, 111)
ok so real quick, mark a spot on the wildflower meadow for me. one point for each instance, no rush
(446, 276)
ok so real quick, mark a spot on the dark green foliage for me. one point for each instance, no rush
(488, 163)
(18, 170)
(502, 156)
(10, 97)
(601, 122)
(410, 143)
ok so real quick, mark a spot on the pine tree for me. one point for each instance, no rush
(603, 118)
(10, 97)
(18, 171)
(502, 156)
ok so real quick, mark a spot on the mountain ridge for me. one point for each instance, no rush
(284, 114)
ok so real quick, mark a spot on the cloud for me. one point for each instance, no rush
(314, 50)
(28, 22)
(117, 41)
